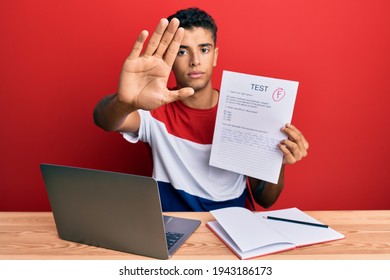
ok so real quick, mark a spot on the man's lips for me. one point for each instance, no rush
(195, 74)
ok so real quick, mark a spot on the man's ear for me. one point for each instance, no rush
(216, 50)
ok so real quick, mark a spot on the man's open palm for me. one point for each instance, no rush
(144, 77)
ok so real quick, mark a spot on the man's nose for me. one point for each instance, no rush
(194, 60)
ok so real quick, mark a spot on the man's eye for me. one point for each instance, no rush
(181, 52)
(205, 50)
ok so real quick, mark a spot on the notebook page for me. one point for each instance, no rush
(245, 229)
(299, 234)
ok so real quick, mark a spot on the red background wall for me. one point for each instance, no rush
(58, 58)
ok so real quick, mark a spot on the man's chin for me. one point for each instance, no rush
(197, 86)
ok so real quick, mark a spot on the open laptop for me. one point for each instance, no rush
(113, 210)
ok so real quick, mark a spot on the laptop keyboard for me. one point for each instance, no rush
(172, 238)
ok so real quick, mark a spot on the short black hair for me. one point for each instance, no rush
(195, 17)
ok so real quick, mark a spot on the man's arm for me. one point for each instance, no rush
(143, 80)
(264, 193)
(113, 115)
(294, 149)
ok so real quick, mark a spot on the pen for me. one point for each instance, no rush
(295, 221)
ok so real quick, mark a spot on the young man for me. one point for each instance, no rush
(178, 124)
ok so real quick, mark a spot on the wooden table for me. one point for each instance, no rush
(33, 235)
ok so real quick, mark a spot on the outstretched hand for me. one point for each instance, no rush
(144, 76)
(295, 147)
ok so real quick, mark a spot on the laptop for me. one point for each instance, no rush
(113, 210)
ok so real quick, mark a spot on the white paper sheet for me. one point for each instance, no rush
(251, 112)
(246, 229)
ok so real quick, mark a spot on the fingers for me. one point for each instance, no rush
(172, 35)
(164, 43)
(296, 136)
(162, 37)
(156, 37)
(171, 53)
(295, 147)
(175, 95)
(291, 152)
(138, 45)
